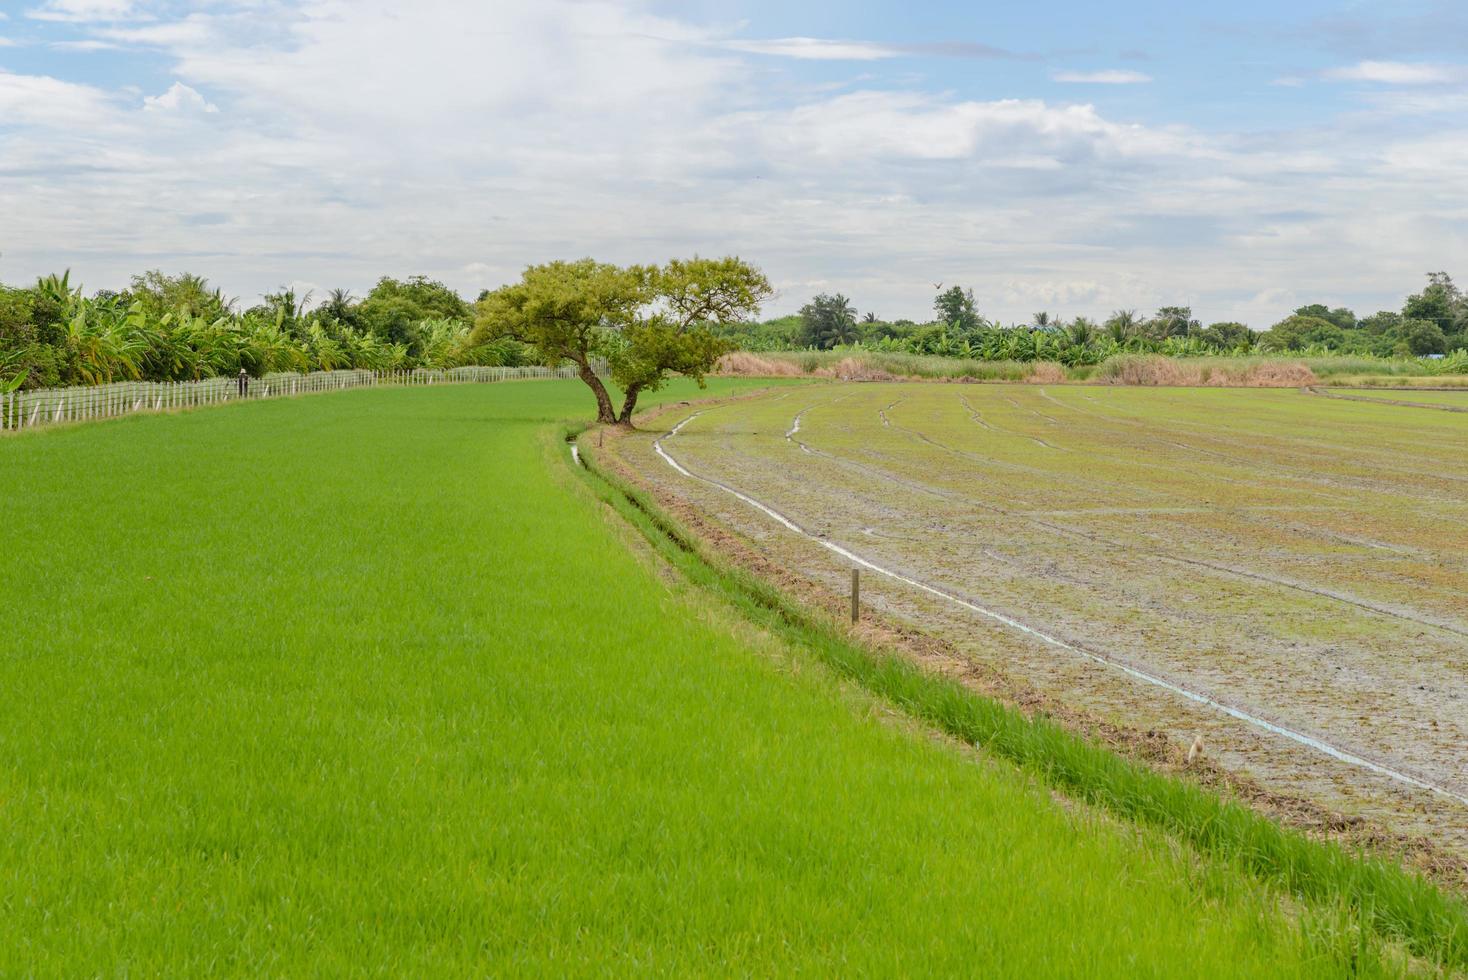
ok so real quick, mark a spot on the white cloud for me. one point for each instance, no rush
(84, 47)
(44, 101)
(179, 99)
(1009, 133)
(6, 42)
(192, 30)
(1115, 76)
(82, 11)
(1396, 103)
(816, 49)
(356, 138)
(1399, 73)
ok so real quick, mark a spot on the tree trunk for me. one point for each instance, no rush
(605, 413)
(629, 404)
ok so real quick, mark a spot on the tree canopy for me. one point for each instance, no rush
(828, 321)
(178, 327)
(1301, 330)
(648, 322)
(957, 308)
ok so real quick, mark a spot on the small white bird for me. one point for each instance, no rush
(1196, 750)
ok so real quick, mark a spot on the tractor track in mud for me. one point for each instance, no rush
(1349, 483)
(1252, 718)
(1411, 616)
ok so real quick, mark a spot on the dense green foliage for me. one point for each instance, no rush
(1431, 323)
(173, 328)
(646, 321)
(176, 328)
(500, 743)
(828, 321)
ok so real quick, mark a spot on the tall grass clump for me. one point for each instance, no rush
(1228, 372)
(857, 365)
(1127, 368)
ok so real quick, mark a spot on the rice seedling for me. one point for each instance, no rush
(366, 684)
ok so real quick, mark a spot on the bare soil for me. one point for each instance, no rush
(1298, 557)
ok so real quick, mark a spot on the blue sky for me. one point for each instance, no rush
(1070, 157)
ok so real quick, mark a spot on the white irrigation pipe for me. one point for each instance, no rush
(1325, 748)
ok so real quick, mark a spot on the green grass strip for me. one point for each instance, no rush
(1396, 903)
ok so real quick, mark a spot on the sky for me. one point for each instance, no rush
(1071, 157)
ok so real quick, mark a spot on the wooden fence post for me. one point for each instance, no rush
(856, 595)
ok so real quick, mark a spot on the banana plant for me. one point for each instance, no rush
(10, 361)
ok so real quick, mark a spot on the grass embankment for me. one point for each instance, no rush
(363, 684)
(1447, 395)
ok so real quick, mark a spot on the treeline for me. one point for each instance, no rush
(1432, 322)
(178, 328)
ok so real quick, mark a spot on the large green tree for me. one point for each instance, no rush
(1340, 316)
(828, 321)
(957, 308)
(185, 294)
(1421, 337)
(394, 308)
(1173, 321)
(1227, 335)
(1441, 303)
(1297, 331)
(648, 322)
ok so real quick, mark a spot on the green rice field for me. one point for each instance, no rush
(371, 684)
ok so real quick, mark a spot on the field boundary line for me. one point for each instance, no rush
(1313, 390)
(1326, 748)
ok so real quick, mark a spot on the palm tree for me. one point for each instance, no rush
(1081, 332)
(1041, 319)
(1122, 326)
(338, 305)
(828, 321)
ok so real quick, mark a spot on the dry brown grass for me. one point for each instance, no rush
(753, 365)
(855, 369)
(1126, 369)
(846, 369)
(1275, 374)
(1157, 370)
(1046, 373)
